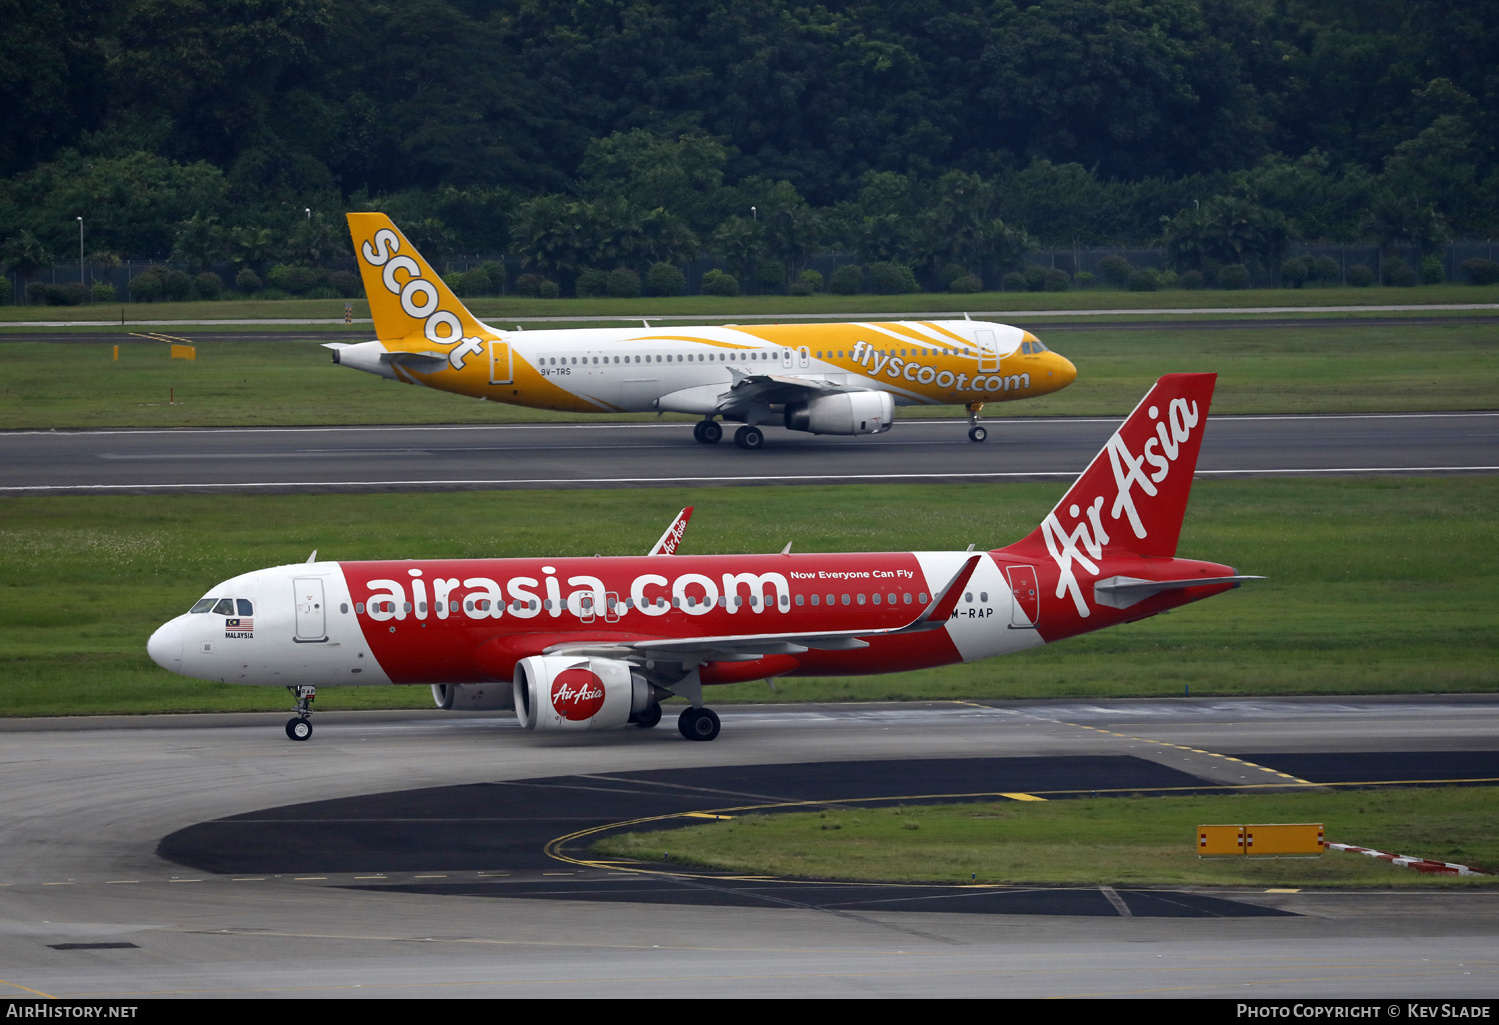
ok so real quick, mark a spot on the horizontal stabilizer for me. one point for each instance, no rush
(1122, 592)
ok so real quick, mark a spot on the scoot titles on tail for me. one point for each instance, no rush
(580, 644)
(814, 378)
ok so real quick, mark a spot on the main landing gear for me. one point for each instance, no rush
(975, 432)
(300, 727)
(707, 432)
(749, 438)
(698, 723)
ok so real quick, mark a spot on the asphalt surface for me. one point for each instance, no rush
(214, 857)
(401, 458)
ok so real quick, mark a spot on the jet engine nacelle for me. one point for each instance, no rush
(855, 412)
(554, 692)
(472, 697)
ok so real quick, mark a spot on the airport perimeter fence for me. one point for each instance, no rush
(1072, 261)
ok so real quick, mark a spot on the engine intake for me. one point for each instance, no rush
(858, 412)
(554, 692)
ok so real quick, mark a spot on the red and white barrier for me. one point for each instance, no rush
(1405, 861)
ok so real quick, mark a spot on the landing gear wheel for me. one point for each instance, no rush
(298, 728)
(649, 717)
(749, 438)
(698, 724)
(712, 432)
(977, 434)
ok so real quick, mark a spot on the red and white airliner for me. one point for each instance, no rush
(590, 643)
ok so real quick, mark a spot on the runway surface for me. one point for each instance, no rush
(93, 806)
(401, 458)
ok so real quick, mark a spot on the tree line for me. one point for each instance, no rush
(939, 136)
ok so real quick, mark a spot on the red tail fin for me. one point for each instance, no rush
(1133, 496)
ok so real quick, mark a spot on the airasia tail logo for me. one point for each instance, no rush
(577, 694)
(1083, 542)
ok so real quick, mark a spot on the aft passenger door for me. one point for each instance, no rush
(1026, 611)
(312, 623)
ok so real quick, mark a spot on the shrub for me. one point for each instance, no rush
(1035, 277)
(37, 293)
(1116, 270)
(347, 284)
(716, 282)
(1397, 272)
(1144, 281)
(7, 291)
(1325, 269)
(592, 284)
(322, 292)
(103, 292)
(800, 288)
(1296, 271)
(208, 285)
(247, 281)
(1360, 276)
(1432, 272)
(1192, 280)
(1013, 282)
(812, 279)
(177, 285)
(892, 279)
(1055, 280)
(664, 279)
(847, 280)
(1234, 276)
(494, 270)
(770, 274)
(146, 287)
(528, 285)
(1167, 279)
(1481, 271)
(623, 283)
(1083, 279)
(965, 284)
(42, 293)
(292, 279)
(950, 273)
(548, 290)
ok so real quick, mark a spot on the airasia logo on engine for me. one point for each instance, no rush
(577, 694)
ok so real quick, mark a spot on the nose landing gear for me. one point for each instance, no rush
(975, 432)
(300, 726)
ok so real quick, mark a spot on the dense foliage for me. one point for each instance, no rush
(928, 133)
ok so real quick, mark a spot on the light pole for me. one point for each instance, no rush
(81, 283)
(308, 211)
(754, 215)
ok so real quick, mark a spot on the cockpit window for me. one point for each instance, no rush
(203, 605)
(244, 607)
(225, 607)
(1037, 347)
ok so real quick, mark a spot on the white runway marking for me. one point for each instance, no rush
(849, 478)
(682, 426)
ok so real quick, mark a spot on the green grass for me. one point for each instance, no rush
(1383, 585)
(1094, 841)
(768, 305)
(1454, 365)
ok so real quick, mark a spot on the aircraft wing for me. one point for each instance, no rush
(750, 647)
(771, 388)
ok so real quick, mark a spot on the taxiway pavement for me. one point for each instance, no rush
(89, 805)
(601, 455)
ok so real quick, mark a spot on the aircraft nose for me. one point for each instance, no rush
(165, 646)
(1065, 373)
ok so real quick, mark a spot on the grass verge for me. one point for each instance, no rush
(1383, 585)
(500, 309)
(1093, 841)
(1325, 369)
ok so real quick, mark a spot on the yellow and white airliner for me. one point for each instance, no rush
(818, 378)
